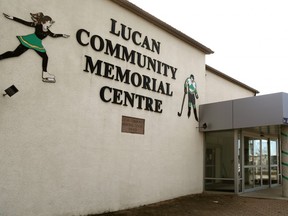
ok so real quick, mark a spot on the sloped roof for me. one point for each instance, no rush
(157, 22)
(224, 76)
(173, 31)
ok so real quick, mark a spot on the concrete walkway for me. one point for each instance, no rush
(268, 202)
(269, 193)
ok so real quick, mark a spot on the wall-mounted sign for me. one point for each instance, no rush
(151, 82)
(133, 125)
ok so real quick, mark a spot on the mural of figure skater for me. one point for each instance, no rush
(41, 23)
(190, 88)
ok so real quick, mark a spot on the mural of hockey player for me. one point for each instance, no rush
(33, 41)
(190, 88)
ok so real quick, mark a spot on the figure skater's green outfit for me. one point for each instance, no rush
(31, 41)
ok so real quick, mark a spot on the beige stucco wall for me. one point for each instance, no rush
(62, 149)
(219, 89)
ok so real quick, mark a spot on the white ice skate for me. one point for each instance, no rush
(47, 77)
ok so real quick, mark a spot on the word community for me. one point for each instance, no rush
(98, 44)
(124, 75)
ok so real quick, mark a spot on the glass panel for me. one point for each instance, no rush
(249, 174)
(274, 162)
(219, 161)
(239, 164)
(239, 156)
(264, 156)
(258, 177)
(265, 175)
(210, 163)
(257, 152)
(219, 185)
(260, 162)
(219, 157)
(274, 175)
(248, 151)
(240, 186)
(273, 152)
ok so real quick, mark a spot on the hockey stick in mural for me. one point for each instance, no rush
(180, 113)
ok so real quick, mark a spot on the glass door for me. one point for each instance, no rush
(265, 162)
(252, 170)
(260, 162)
(274, 162)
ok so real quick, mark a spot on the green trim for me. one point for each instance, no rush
(285, 177)
(285, 164)
(284, 134)
(284, 152)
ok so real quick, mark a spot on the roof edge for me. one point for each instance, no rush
(224, 76)
(157, 22)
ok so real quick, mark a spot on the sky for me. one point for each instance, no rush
(249, 37)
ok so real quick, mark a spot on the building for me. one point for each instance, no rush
(110, 130)
(245, 143)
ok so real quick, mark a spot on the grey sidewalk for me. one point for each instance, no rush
(269, 193)
(268, 202)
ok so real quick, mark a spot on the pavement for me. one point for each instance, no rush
(269, 193)
(265, 202)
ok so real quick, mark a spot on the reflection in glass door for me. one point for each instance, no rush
(265, 162)
(252, 170)
(274, 162)
(260, 162)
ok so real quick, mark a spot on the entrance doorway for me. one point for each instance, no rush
(260, 162)
(242, 161)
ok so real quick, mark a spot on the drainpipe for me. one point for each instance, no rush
(284, 150)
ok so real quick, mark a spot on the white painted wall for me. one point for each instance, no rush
(219, 89)
(62, 150)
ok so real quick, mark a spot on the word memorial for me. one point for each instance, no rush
(114, 72)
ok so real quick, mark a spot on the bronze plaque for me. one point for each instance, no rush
(133, 125)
